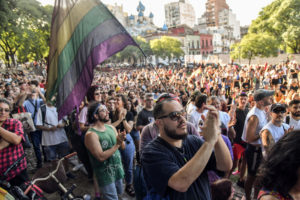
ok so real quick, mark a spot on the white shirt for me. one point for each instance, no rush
(50, 138)
(294, 123)
(275, 131)
(262, 121)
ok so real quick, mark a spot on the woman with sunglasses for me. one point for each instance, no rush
(11, 136)
(123, 119)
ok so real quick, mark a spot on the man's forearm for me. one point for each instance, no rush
(102, 156)
(222, 154)
(186, 175)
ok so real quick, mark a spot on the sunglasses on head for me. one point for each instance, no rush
(167, 97)
(5, 110)
(174, 116)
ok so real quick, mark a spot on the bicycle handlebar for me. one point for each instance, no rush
(70, 155)
(51, 173)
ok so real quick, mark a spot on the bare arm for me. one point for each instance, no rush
(93, 145)
(264, 139)
(128, 125)
(10, 137)
(251, 128)
(185, 176)
(222, 154)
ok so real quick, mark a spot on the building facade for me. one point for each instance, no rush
(179, 13)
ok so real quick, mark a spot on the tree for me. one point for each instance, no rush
(280, 19)
(26, 31)
(166, 47)
(262, 45)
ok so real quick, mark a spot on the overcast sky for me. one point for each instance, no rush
(245, 10)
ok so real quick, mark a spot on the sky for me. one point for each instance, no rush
(245, 10)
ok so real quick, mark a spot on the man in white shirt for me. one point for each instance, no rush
(293, 120)
(54, 138)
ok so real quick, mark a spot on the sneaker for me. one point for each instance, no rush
(39, 165)
(241, 183)
(70, 175)
(236, 172)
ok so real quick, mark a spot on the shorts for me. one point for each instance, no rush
(238, 151)
(57, 151)
(253, 156)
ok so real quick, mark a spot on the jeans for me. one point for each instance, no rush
(135, 135)
(111, 191)
(36, 138)
(57, 151)
(127, 158)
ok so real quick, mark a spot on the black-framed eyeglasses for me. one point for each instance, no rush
(174, 116)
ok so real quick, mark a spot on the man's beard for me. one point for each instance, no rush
(296, 114)
(104, 119)
(172, 134)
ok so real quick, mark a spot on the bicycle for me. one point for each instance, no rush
(16, 192)
(53, 181)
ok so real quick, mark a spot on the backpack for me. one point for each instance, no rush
(43, 109)
(287, 120)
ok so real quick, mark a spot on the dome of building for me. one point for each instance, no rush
(131, 17)
(151, 15)
(141, 14)
(140, 7)
(165, 27)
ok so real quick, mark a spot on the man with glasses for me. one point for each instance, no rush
(175, 163)
(103, 143)
(275, 129)
(11, 149)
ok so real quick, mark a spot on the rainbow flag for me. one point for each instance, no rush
(84, 33)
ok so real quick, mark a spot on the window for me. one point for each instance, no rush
(202, 43)
(193, 46)
(210, 42)
(198, 44)
(206, 43)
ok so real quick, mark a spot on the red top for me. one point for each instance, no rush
(11, 153)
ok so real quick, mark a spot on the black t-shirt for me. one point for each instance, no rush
(239, 125)
(246, 86)
(144, 118)
(295, 88)
(160, 161)
(129, 117)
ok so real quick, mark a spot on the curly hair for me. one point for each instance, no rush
(279, 171)
(91, 91)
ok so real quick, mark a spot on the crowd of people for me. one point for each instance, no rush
(187, 130)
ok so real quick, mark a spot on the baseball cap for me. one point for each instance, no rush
(262, 93)
(278, 106)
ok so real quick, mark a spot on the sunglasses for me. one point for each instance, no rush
(279, 111)
(174, 116)
(5, 110)
(96, 94)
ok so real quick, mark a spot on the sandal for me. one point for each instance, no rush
(130, 190)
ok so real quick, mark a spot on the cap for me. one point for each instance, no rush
(278, 106)
(262, 93)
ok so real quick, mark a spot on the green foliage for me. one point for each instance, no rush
(280, 19)
(262, 45)
(166, 47)
(25, 31)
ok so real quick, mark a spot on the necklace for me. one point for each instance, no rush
(182, 153)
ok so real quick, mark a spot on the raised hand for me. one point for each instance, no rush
(211, 129)
(121, 137)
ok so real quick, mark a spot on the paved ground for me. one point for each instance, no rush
(86, 187)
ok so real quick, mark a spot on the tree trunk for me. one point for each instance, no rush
(12, 57)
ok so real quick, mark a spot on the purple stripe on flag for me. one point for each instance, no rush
(98, 55)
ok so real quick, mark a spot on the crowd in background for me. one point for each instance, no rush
(128, 95)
